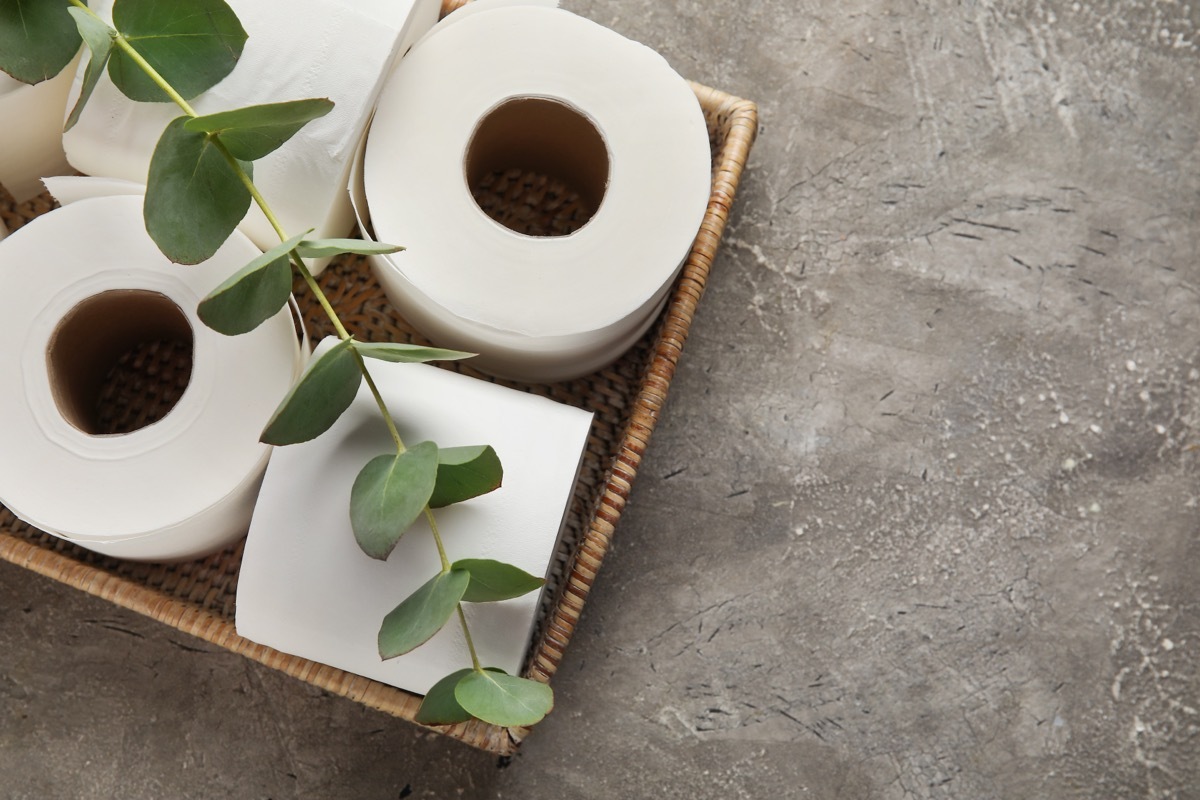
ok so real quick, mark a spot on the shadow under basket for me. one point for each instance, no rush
(198, 597)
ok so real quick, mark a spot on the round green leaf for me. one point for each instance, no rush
(324, 391)
(389, 494)
(194, 197)
(465, 472)
(406, 353)
(422, 614)
(440, 706)
(321, 248)
(492, 581)
(99, 39)
(37, 39)
(504, 700)
(192, 45)
(253, 295)
(255, 131)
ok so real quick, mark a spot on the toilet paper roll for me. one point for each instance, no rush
(31, 121)
(612, 119)
(296, 49)
(79, 287)
(305, 587)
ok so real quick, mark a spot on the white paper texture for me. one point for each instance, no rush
(31, 121)
(67, 189)
(305, 587)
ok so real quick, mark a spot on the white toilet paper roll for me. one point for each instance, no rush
(305, 586)
(611, 118)
(31, 121)
(79, 287)
(296, 49)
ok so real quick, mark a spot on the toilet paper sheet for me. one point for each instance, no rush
(305, 587)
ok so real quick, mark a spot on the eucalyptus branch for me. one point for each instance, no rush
(306, 274)
(197, 43)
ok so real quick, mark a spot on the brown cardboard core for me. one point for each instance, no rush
(537, 166)
(119, 361)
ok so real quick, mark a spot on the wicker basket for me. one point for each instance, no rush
(198, 597)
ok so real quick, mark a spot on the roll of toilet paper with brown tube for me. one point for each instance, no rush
(296, 49)
(611, 120)
(31, 137)
(81, 287)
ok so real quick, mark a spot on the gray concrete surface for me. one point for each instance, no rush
(921, 518)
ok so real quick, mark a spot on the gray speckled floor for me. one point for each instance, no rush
(920, 520)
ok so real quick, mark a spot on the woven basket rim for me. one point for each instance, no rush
(735, 123)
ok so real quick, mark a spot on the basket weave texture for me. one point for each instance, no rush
(198, 597)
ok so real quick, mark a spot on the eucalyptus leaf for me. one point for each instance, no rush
(397, 352)
(492, 581)
(194, 197)
(413, 622)
(37, 39)
(320, 248)
(465, 472)
(192, 45)
(502, 699)
(389, 494)
(255, 131)
(252, 295)
(323, 392)
(440, 706)
(99, 39)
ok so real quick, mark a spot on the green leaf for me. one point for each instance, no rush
(37, 39)
(440, 706)
(99, 39)
(255, 131)
(192, 45)
(253, 295)
(320, 248)
(422, 614)
(389, 494)
(494, 580)
(466, 472)
(194, 198)
(504, 700)
(407, 353)
(323, 392)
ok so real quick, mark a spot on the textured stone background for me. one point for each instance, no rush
(921, 517)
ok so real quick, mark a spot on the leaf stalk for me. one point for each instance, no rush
(306, 275)
(462, 618)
